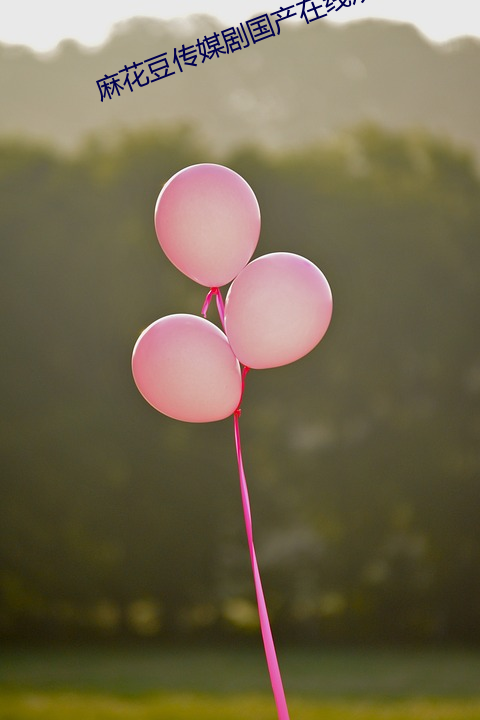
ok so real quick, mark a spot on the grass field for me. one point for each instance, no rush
(232, 684)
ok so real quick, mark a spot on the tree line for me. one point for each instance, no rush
(362, 458)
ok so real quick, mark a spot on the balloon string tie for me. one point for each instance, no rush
(220, 306)
(213, 291)
(268, 643)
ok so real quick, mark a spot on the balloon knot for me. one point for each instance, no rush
(238, 412)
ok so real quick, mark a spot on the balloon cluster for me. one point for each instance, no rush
(277, 308)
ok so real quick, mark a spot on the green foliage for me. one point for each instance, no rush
(362, 458)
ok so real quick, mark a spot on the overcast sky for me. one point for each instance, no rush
(41, 24)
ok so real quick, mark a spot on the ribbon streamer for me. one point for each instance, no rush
(220, 306)
(272, 662)
(268, 643)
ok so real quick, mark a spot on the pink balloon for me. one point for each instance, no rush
(207, 220)
(277, 309)
(184, 367)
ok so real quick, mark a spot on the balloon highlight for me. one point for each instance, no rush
(184, 367)
(277, 310)
(207, 221)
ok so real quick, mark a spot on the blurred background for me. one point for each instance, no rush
(361, 141)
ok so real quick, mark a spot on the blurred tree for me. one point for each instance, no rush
(362, 458)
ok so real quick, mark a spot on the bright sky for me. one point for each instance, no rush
(41, 24)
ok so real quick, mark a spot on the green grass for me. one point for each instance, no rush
(232, 684)
(75, 706)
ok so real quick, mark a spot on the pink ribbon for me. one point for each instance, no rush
(220, 306)
(272, 662)
(268, 644)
